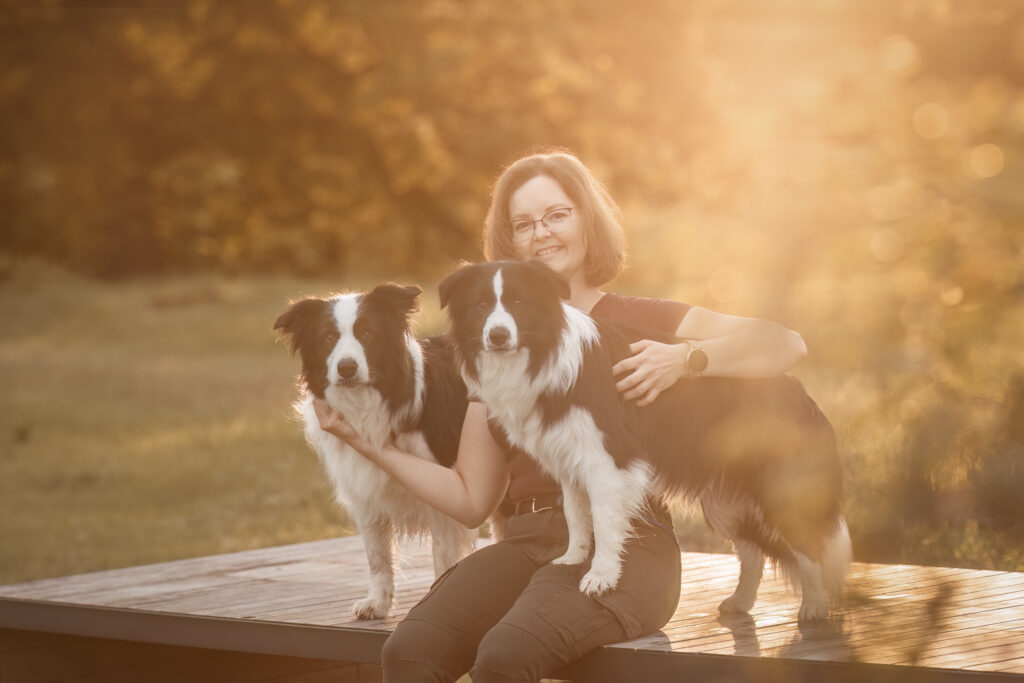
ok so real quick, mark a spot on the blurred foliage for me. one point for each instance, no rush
(852, 169)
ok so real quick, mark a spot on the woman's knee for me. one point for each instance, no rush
(414, 652)
(508, 653)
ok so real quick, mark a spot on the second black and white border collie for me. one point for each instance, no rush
(757, 453)
(358, 353)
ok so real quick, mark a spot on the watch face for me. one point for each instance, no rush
(696, 360)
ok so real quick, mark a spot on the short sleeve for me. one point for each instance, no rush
(663, 315)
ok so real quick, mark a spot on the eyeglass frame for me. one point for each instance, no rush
(534, 221)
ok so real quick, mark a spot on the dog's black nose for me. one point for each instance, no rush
(499, 336)
(347, 368)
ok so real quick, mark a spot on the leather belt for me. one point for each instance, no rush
(545, 501)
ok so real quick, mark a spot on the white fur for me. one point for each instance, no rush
(600, 498)
(346, 310)
(380, 506)
(500, 317)
(816, 581)
(836, 563)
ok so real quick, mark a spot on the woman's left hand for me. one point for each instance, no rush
(651, 369)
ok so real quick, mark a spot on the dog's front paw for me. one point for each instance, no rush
(813, 610)
(370, 608)
(596, 582)
(573, 556)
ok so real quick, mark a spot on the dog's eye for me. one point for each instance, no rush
(365, 334)
(330, 336)
(482, 305)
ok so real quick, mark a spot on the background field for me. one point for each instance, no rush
(172, 173)
(151, 420)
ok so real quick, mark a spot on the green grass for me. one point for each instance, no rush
(147, 421)
(150, 420)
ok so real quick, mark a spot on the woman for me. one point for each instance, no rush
(504, 613)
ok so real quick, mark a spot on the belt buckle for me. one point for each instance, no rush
(534, 508)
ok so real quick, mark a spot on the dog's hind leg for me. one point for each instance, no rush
(725, 518)
(378, 540)
(751, 570)
(814, 605)
(819, 578)
(576, 505)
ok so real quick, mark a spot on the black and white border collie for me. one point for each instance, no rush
(358, 353)
(757, 453)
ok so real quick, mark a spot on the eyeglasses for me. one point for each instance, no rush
(555, 220)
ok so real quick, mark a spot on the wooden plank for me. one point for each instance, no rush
(97, 660)
(69, 586)
(950, 619)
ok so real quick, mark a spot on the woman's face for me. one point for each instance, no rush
(564, 249)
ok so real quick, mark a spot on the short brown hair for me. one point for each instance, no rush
(600, 215)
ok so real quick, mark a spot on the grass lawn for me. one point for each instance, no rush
(147, 421)
(151, 420)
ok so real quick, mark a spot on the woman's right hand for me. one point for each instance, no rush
(334, 423)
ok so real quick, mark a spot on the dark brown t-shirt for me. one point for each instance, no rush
(526, 479)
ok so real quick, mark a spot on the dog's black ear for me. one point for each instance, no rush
(451, 283)
(401, 298)
(549, 279)
(300, 316)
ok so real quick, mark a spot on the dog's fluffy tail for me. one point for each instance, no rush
(835, 563)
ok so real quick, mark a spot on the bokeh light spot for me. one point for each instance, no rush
(987, 160)
(898, 53)
(952, 296)
(931, 120)
(887, 245)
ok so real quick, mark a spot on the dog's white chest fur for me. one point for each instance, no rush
(504, 386)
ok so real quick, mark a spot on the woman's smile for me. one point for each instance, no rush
(562, 250)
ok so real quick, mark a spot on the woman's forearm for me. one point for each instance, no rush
(440, 487)
(741, 347)
(762, 349)
(470, 491)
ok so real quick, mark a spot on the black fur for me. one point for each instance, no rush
(535, 298)
(381, 327)
(308, 328)
(762, 440)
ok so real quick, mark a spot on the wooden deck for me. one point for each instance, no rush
(899, 622)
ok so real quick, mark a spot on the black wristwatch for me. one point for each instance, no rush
(696, 361)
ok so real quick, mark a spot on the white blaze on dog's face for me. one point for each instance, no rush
(504, 306)
(355, 340)
(347, 361)
(500, 332)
